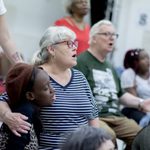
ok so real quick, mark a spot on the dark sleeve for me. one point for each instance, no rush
(141, 141)
(19, 143)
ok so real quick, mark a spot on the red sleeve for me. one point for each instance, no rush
(62, 22)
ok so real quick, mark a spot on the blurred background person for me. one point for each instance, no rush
(77, 10)
(135, 79)
(105, 84)
(141, 141)
(32, 90)
(89, 138)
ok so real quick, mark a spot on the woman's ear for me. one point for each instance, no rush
(51, 50)
(30, 96)
(94, 39)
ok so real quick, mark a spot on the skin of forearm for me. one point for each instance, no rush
(6, 42)
(11, 53)
(94, 123)
(129, 100)
(4, 108)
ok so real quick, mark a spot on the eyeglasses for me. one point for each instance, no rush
(108, 34)
(70, 44)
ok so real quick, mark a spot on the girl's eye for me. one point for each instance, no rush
(46, 87)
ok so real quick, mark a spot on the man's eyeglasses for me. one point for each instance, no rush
(70, 44)
(108, 34)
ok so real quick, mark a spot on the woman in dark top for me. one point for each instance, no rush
(28, 88)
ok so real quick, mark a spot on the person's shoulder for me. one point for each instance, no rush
(83, 56)
(128, 72)
(108, 64)
(61, 21)
(77, 72)
(87, 26)
(26, 108)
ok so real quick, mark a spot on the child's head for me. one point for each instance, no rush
(138, 60)
(26, 82)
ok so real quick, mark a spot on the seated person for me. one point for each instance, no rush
(89, 138)
(136, 80)
(105, 84)
(141, 141)
(74, 105)
(27, 88)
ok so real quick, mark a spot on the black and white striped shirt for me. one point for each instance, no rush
(73, 107)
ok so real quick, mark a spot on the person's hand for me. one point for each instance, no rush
(145, 105)
(17, 123)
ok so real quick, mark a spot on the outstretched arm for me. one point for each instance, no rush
(6, 42)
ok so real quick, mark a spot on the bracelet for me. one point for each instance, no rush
(139, 104)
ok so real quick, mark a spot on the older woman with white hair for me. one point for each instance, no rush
(74, 105)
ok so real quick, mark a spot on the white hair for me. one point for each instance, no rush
(52, 35)
(96, 27)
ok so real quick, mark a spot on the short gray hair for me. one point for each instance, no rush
(95, 28)
(51, 36)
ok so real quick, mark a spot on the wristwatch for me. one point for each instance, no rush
(139, 104)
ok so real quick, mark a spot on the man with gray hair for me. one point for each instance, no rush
(105, 84)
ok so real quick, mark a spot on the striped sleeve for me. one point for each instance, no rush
(94, 113)
(4, 97)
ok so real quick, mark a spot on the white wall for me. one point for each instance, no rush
(132, 33)
(27, 20)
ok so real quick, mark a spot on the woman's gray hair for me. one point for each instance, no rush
(96, 28)
(52, 35)
(80, 139)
